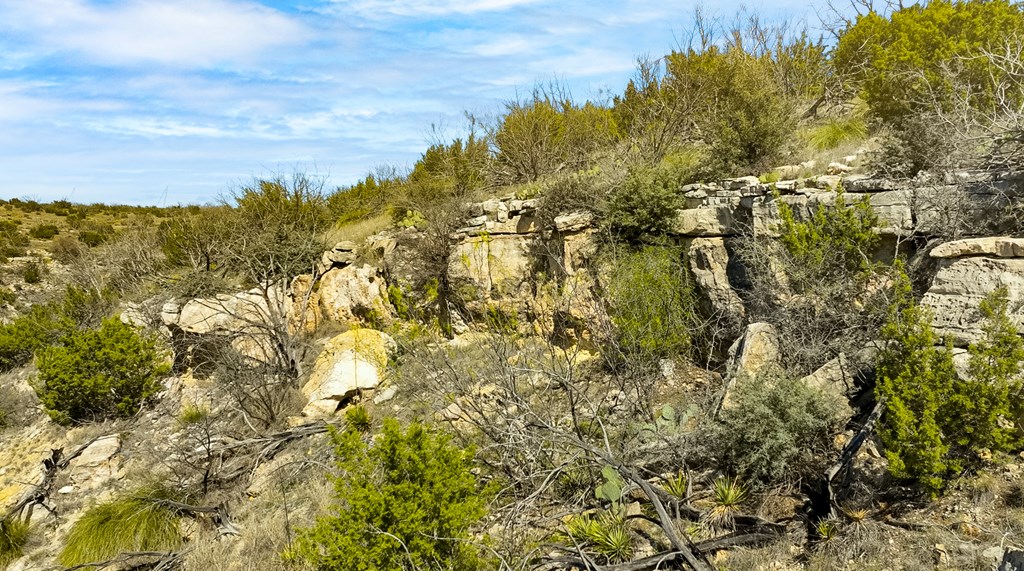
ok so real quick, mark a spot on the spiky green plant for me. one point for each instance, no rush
(134, 522)
(13, 535)
(676, 485)
(193, 414)
(728, 494)
(856, 515)
(607, 534)
(615, 543)
(358, 418)
(827, 529)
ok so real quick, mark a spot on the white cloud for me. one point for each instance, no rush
(171, 32)
(429, 7)
(157, 128)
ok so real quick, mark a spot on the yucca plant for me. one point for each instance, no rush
(358, 418)
(581, 527)
(728, 494)
(827, 529)
(855, 515)
(607, 534)
(614, 542)
(13, 536)
(134, 522)
(676, 485)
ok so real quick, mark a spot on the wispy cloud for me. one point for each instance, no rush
(183, 33)
(427, 7)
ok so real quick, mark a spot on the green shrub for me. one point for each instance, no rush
(456, 169)
(986, 405)
(550, 133)
(44, 231)
(836, 239)
(754, 120)
(652, 304)
(276, 231)
(902, 61)
(915, 377)
(32, 273)
(7, 297)
(96, 374)
(936, 422)
(67, 249)
(578, 192)
(404, 500)
(647, 201)
(13, 536)
(20, 339)
(92, 238)
(136, 522)
(775, 428)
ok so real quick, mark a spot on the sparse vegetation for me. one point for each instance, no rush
(588, 414)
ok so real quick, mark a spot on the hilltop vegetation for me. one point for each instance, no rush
(653, 330)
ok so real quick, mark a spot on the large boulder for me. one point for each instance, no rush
(352, 293)
(756, 349)
(349, 363)
(496, 265)
(708, 260)
(839, 376)
(99, 463)
(959, 287)
(227, 313)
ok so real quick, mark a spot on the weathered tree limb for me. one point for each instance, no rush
(651, 563)
(220, 515)
(737, 540)
(38, 494)
(689, 553)
(849, 453)
(127, 560)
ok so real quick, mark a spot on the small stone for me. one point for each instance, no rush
(385, 395)
(476, 221)
(838, 168)
(995, 553)
(66, 490)
(574, 221)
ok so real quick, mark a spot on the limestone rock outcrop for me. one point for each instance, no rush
(991, 246)
(968, 271)
(709, 259)
(756, 349)
(97, 464)
(349, 363)
(350, 293)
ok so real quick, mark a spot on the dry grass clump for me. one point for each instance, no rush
(13, 536)
(134, 522)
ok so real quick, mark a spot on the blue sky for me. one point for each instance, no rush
(176, 101)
